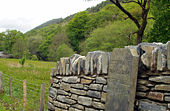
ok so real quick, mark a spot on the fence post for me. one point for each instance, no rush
(1, 87)
(42, 98)
(10, 87)
(25, 93)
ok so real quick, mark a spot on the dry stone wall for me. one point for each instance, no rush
(153, 84)
(80, 83)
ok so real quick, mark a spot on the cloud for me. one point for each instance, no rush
(24, 15)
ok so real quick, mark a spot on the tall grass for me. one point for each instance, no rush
(35, 72)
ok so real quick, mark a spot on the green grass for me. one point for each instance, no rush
(34, 72)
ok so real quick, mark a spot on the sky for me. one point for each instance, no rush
(23, 15)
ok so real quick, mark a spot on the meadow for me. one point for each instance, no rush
(34, 72)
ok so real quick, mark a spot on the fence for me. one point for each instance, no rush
(28, 96)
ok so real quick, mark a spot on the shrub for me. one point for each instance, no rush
(64, 51)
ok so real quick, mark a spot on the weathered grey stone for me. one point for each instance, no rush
(64, 99)
(103, 98)
(100, 80)
(122, 77)
(162, 87)
(97, 87)
(94, 94)
(52, 92)
(67, 69)
(62, 92)
(55, 80)
(65, 86)
(147, 56)
(91, 63)
(147, 106)
(161, 61)
(59, 109)
(105, 88)
(62, 66)
(143, 82)
(90, 109)
(85, 100)
(81, 64)
(73, 109)
(73, 63)
(141, 94)
(75, 66)
(73, 96)
(55, 85)
(168, 54)
(98, 105)
(99, 64)
(71, 79)
(86, 81)
(105, 63)
(97, 100)
(78, 86)
(154, 59)
(88, 63)
(78, 91)
(167, 98)
(156, 96)
(50, 106)
(142, 87)
(78, 106)
(167, 94)
(160, 79)
(60, 105)
(50, 99)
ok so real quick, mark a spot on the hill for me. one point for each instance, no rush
(94, 9)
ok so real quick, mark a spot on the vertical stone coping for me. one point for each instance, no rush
(96, 62)
(122, 79)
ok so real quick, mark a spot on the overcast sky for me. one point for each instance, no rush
(24, 15)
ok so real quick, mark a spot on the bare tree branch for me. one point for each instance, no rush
(126, 12)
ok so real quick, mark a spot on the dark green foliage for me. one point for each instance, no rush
(76, 29)
(58, 40)
(10, 38)
(114, 35)
(64, 51)
(161, 28)
(19, 48)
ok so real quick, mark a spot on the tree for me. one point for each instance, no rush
(19, 48)
(145, 6)
(64, 51)
(76, 29)
(23, 59)
(58, 40)
(161, 28)
(10, 38)
(114, 35)
(34, 43)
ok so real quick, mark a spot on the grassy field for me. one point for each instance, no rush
(34, 72)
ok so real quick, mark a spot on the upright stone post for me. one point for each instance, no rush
(168, 55)
(122, 77)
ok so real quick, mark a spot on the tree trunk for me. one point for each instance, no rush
(139, 37)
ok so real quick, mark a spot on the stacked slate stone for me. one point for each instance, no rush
(153, 84)
(79, 83)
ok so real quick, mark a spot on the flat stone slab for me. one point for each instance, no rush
(147, 106)
(122, 79)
